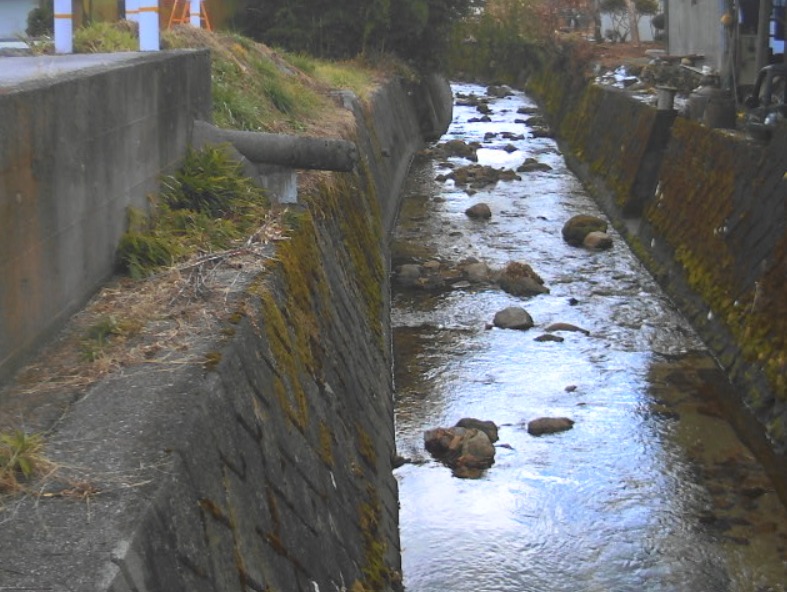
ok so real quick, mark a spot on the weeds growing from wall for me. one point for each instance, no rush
(206, 206)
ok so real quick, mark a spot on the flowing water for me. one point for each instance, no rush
(650, 491)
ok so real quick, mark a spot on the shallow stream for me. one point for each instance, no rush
(650, 490)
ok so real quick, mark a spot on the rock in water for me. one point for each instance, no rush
(486, 426)
(549, 337)
(566, 327)
(479, 211)
(578, 227)
(513, 317)
(597, 240)
(549, 425)
(467, 451)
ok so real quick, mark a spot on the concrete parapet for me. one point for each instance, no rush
(76, 150)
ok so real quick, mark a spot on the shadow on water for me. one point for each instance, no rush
(650, 490)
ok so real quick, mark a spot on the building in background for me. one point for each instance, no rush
(725, 34)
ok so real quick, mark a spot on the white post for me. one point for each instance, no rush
(132, 10)
(64, 27)
(194, 14)
(148, 25)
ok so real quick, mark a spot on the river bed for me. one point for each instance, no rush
(650, 490)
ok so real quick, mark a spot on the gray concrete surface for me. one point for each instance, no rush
(23, 70)
(82, 139)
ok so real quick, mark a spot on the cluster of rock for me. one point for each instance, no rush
(454, 148)
(478, 176)
(587, 231)
(468, 448)
(516, 278)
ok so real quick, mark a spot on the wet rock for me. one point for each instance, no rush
(408, 274)
(499, 91)
(566, 327)
(478, 176)
(486, 426)
(578, 227)
(483, 108)
(467, 451)
(455, 148)
(597, 240)
(510, 148)
(479, 211)
(527, 110)
(532, 165)
(398, 461)
(475, 271)
(570, 388)
(519, 279)
(549, 425)
(549, 337)
(513, 317)
(512, 136)
(482, 119)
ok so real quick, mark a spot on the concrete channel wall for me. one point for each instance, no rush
(704, 209)
(76, 150)
(267, 464)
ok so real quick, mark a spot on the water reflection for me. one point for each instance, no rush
(650, 490)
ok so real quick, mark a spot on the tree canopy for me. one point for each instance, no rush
(415, 30)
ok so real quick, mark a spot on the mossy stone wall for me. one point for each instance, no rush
(705, 211)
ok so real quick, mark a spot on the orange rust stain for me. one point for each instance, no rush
(20, 239)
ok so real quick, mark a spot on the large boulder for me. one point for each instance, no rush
(513, 317)
(486, 426)
(578, 227)
(519, 279)
(467, 451)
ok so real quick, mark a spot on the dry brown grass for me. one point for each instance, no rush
(156, 320)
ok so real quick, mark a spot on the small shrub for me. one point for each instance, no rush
(141, 254)
(207, 205)
(208, 182)
(40, 20)
(104, 38)
(20, 458)
(99, 334)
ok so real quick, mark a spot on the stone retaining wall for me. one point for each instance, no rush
(705, 210)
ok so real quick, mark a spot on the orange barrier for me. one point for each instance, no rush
(180, 14)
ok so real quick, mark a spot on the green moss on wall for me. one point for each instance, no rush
(377, 574)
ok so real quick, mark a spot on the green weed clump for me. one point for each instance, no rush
(21, 457)
(208, 205)
(104, 38)
(100, 333)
